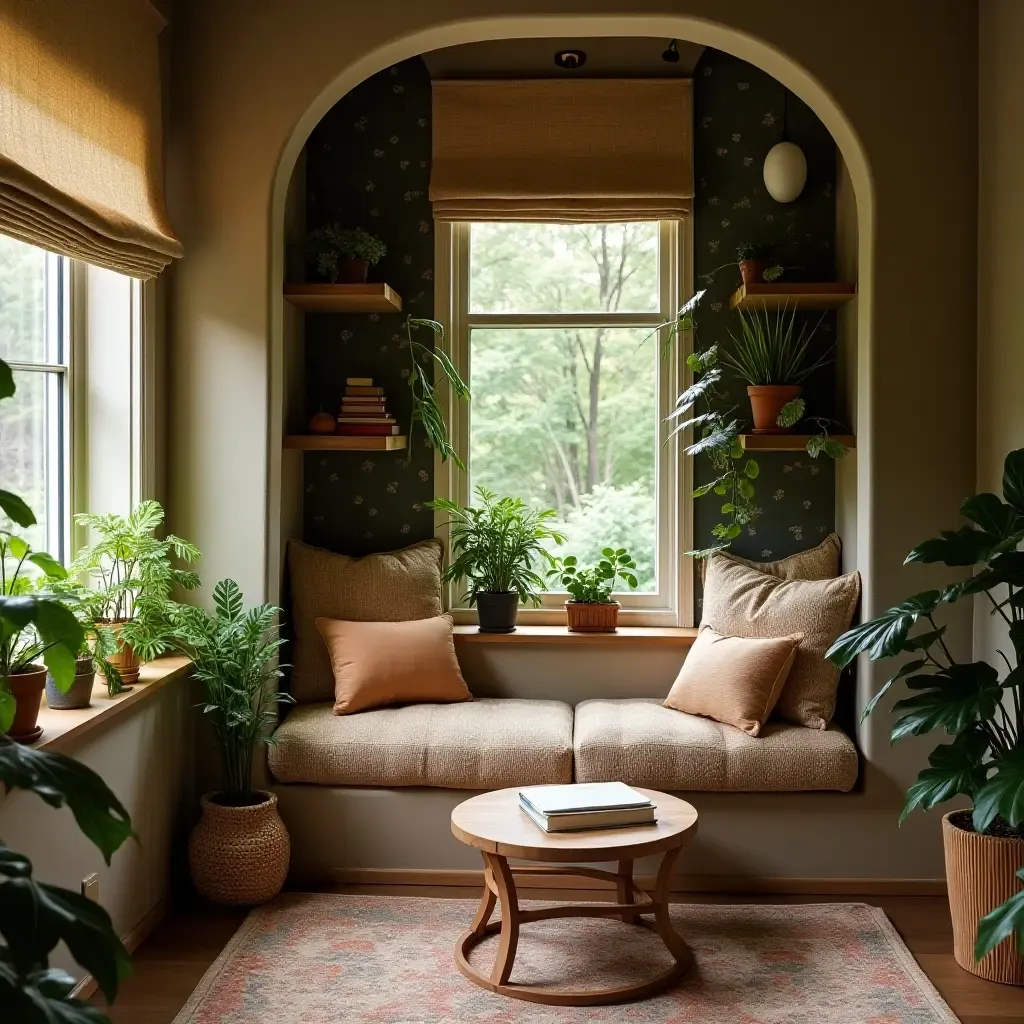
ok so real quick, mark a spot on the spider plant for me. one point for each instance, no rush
(771, 350)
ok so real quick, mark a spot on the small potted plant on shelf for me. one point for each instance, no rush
(757, 263)
(773, 356)
(344, 255)
(981, 713)
(133, 578)
(591, 608)
(495, 548)
(238, 853)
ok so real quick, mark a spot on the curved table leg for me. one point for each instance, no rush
(509, 939)
(662, 921)
(624, 889)
(486, 908)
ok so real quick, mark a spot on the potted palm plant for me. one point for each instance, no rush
(133, 577)
(344, 255)
(981, 710)
(774, 358)
(238, 853)
(495, 548)
(591, 608)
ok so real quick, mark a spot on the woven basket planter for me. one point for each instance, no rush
(980, 874)
(239, 856)
(592, 618)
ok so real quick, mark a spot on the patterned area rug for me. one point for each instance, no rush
(307, 959)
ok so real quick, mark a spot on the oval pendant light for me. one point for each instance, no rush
(785, 171)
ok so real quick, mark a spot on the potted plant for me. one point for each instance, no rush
(757, 263)
(774, 357)
(494, 548)
(344, 255)
(238, 853)
(591, 608)
(982, 714)
(133, 578)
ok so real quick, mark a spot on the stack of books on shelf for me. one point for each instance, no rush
(585, 806)
(363, 410)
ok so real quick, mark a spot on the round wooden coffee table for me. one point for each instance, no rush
(494, 824)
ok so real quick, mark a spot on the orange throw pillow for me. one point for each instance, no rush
(381, 663)
(735, 680)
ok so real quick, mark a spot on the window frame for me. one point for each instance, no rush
(672, 604)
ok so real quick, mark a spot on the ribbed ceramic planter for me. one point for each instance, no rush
(125, 660)
(767, 401)
(592, 618)
(239, 856)
(980, 874)
(27, 688)
(80, 692)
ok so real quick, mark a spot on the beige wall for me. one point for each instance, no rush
(896, 85)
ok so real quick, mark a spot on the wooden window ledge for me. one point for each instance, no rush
(62, 728)
(658, 636)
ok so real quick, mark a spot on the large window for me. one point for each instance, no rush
(554, 326)
(34, 425)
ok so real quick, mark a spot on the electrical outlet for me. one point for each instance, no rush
(91, 887)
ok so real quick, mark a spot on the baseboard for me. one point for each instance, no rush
(685, 883)
(131, 940)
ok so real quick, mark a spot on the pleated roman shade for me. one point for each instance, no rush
(80, 132)
(587, 149)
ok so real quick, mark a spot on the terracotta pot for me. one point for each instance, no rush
(980, 875)
(752, 271)
(352, 272)
(497, 612)
(592, 618)
(80, 692)
(125, 660)
(766, 402)
(239, 856)
(27, 688)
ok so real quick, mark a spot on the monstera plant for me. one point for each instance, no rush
(978, 706)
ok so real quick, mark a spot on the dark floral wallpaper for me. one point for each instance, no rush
(368, 165)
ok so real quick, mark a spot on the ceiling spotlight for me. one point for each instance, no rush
(570, 59)
(671, 55)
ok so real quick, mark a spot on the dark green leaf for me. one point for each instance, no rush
(1003, 794)
(953, 699)
(751, 469)
(16, 509)
(905, 670)
(791, 413)
(7, 387)
(992, 515)
(966, 546)
(885, 635)
(924, 640)
(998, 925)
(1013, 479)
(956, 767)
(8, 706)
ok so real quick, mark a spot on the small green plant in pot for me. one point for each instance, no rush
(757, 263)
(239, 851)
(344, 255)
(591, 608)
(495, 548)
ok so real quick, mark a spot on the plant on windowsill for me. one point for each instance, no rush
(344, 255)
(238, 853)
(34, 917)
(591, 608)
(983, 715)
(133, 578)
(495, 547)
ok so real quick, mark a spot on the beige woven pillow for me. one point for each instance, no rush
(818, 563)
(733, 679)
(744, 602)
(394, 586)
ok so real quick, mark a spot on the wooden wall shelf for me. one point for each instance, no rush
(344, 298)
(790, 294)
(344, 443)
(788, 442)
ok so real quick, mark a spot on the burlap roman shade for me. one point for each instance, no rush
(588, 149)
(80, 132)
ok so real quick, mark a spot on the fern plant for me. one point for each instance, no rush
(234, 653)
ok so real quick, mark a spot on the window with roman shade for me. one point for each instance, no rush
(80, 132)
(558, 150)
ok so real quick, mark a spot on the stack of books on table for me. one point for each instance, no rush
(364, 410)
(586, 805)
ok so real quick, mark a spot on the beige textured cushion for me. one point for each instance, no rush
(391, 587)
(485, 744)
(380, 663)
(733, 679)
(641, 743)
(818, 563)
(745, 602)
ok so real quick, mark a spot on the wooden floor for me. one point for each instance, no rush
(169, 965)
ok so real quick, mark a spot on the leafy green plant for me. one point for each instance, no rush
(234, 654)
(594, 584)
(134, 576)
(769, 348)
(330, 244)
(496, 545)
(753, 251)
(968, 701)
(426, 405)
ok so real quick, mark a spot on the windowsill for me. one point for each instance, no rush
(658, 636)
(62, 728)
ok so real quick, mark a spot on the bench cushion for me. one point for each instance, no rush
(642, 743)
(483, 744)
